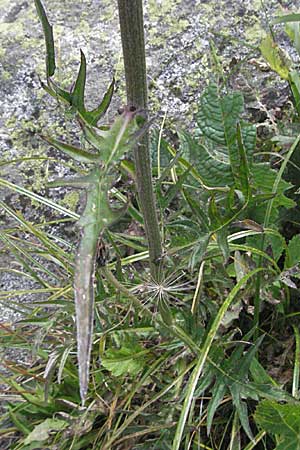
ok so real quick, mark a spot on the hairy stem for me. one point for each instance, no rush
(132, 34)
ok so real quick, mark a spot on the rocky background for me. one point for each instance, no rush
(178, 35)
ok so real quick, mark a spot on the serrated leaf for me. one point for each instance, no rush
(48, 33)
(125, 360)
(218, 156)
(277, 59)
(217, 119)
(211, 166)
(282, 421)
(293, 252)
(263, 178)
(42, 431)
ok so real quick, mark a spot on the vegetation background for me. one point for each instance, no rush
(181, 60)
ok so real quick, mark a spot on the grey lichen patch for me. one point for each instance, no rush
(71, 200)
(178, 33)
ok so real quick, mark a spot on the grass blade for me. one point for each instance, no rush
(203, 357)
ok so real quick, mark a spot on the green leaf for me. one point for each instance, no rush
(213, 170)
(263, 179)
(243, 174)
(282, 421)
(119, 138)
(56, 92)
(167, 198)
(77, 96)
(42, 431)
(217, 153)
(277, 59)
(293, 252)
(129, 359)
(223, 243)
(199, 250)
(217, 119)
(292, 29)
(241, 408)
(165, 312)
(287, 18)
(48, 33)
(217, 395)
(96, 114)
(294, 80)
(75, 152)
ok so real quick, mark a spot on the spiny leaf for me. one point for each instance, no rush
(96, 217)
(119, 138)
(75, 152)
(48, 32)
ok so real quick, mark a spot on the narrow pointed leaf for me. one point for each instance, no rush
(75, 152)
(59, 92)
(95, 218)
(48, 33)
(96, 114)
(287, 18)
(77, 96)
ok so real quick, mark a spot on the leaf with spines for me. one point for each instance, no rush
(75, 98)
(76, 153)
(96, 217)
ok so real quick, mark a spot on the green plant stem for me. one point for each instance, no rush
(132, 34)
(113, 280)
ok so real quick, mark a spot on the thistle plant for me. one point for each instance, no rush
(110, 146)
